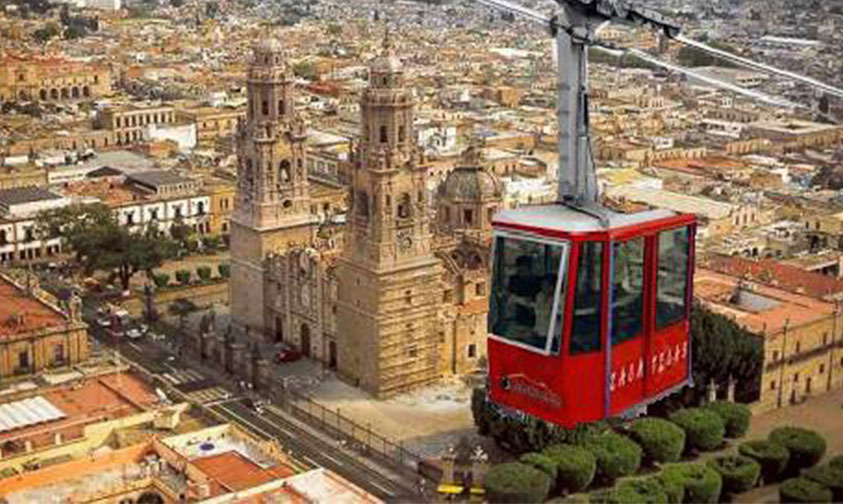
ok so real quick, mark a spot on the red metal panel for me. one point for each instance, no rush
(569, 389)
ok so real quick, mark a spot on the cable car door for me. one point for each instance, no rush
(668, 351)
(629, 273)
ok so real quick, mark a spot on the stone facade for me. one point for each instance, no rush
(35, 335)
(52, 80)
(393, 299)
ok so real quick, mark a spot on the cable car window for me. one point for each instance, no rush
(525, 281)
(585, 326)
(627, 289)
(672, 283)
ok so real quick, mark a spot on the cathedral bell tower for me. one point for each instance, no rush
(271, 210)
(389, 281)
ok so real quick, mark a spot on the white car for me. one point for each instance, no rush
(134, 333)
(156, 337)
(104, 322)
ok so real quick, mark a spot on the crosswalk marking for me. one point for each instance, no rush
(183, 376)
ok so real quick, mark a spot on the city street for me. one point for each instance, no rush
(207, 388)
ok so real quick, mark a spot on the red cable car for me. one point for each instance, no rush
(589, 309)
(589, 317)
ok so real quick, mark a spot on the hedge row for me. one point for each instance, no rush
(771, 456)
(661, 440)
(699, 483)
(575, 467)
(806, 447)
(739, 473)
(735, 416)
(704, 429)
(516, 483)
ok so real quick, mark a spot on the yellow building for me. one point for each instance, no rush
(35, 334)
(52, 80)
(213, 123)
(802, 336)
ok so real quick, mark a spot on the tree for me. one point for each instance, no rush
(181, 308)
(720, 349)
(100, 243)
(46, 33)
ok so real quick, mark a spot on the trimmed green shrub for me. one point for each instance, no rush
(828, 475)
(204, 273)
(224, 270)
(575, 466)
(183, 277)
(700, 483)
(211, 243)
(616, 455)
(803, 490)
(739, 473)
(161, 280)
(736, 417)
(661, 440)
(515, 482)
(806, 447)
(540, 462)
(772, 457)
(674, 488)
(643, 491)
(704, 429)
(836, 461)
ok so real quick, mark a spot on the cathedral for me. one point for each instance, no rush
(396, 297)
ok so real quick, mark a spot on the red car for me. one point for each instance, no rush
(287, 356)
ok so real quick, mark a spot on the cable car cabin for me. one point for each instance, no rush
(589, 321)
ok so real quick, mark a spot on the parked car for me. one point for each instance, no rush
(287, 355)
(154, 336)
(104, 322)
(134, 333)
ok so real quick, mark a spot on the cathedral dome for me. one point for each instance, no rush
(387, 63)
(470, 183)
(268, 45)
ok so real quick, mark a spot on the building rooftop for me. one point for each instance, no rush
(788, 277)
(158, 178)
(27, 194)
(86, 402)
(677, 202)
(22, 313)
(235, 472)
(759, 308)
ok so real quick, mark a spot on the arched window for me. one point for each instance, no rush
(284, 171)
(265, 107)
(43, 94)
(404, 204)
(281, 107)
(384, 137)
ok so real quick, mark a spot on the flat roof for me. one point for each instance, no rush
(90, 401)
(26, 194)
(236, 472)
(564, 219)
(157, 178)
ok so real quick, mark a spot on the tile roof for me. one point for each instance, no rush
(236, 472)
(21, 313)
(771, 272)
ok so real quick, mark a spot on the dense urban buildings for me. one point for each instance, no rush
(300, 199)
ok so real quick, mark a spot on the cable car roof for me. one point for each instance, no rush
(564, 219)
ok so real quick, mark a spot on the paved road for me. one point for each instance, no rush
(314, 451)
(310, 449)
